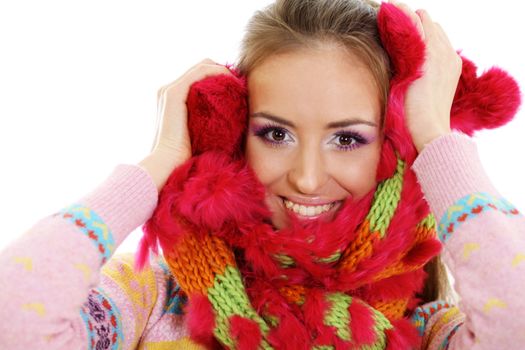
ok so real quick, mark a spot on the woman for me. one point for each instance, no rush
(314, 141)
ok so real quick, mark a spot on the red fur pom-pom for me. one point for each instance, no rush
(221, 191)
(486, 102)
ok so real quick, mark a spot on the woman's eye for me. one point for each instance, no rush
(274, 135)
(346, 140)
(277, 135)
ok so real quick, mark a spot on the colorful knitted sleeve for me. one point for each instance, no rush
(484, 249)
(132, 310)
(437, 322)
(53, 294)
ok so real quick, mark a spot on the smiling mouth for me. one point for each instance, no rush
(309, 211)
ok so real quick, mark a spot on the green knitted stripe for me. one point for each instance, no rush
(386, 199)
(271, 319)
(338, 315)
(323, 347)
(428, 222)
(330, 259)
(228, 297)
(285, 260)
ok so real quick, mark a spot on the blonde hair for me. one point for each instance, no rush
(288, 25)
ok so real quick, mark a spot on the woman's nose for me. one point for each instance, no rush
(307, 172)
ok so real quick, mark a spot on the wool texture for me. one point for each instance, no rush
(344, 284)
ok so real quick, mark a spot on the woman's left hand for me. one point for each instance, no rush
(429, 99)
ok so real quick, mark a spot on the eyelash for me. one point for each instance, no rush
(265, 130)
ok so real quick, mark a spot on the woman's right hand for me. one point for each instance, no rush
(172, 145)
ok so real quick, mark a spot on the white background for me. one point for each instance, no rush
(78, 83)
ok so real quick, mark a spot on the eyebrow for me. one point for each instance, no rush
(333, 125)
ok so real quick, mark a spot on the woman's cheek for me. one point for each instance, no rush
(267, 165)
(268, 162)
(355, 170)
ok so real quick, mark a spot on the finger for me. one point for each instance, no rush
(181, 86)
(160, 91)
(441, 33)
(195, 66)
(203, 69)
(427, 22)
(204, 61)
(207, 70)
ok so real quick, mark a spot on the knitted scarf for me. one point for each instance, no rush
(345, 284)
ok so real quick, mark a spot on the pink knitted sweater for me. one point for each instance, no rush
(62, 289)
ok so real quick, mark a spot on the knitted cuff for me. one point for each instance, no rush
(449, 168)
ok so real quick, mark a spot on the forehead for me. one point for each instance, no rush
(308, 83)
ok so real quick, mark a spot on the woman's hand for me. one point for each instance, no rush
(429, 99)
(172, 145)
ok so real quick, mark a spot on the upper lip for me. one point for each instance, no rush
(309, 201)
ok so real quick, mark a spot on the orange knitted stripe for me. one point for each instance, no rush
(360, 248)
(293, 294)
(395, 269)
(399, 267)
(392, 309)
(196, 261)
(422, 233)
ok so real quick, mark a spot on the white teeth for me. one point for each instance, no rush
(302, 210)
(310, 210)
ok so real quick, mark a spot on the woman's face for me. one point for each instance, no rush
(314, 131)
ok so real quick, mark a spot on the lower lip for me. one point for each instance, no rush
(323, 214)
